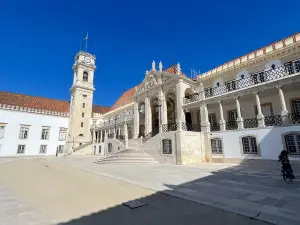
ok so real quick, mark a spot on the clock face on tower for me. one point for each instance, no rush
(87, 59)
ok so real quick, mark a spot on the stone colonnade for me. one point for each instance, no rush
(205, 124)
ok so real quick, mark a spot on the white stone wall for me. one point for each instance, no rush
(270, 142)
(191, 147)
(154, 147)
(14, 119)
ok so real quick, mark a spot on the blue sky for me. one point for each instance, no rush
(39, 39)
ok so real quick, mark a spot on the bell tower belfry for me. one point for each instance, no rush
(81, 103)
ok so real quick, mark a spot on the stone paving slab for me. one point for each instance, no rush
(14, 212)
(256, 192)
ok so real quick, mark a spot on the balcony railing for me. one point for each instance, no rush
(169, 127)
(273, 120)
(250, 123)
(231, 125)
(294, 118)
(254, 79)
(191, 98)
(214, 127)
(121, 138)
(191, 127)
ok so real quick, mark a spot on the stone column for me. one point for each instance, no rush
(260, 116)
(101, 135)
(284, 111)
(205, 125)
(147, 115)
(239, 120)
(222, 121)
(126, 135)
(136, 122)
(180, 116)
(161, 109)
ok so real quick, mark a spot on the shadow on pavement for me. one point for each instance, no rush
(249, 193)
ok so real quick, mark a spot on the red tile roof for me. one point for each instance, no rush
(125, 98)
(42, 103)
(173, 69)
(100, 109)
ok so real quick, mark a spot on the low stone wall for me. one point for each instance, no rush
(154, 147)
(190, 147)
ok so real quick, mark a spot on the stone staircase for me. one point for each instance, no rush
(134, 144)
(85, 149)
(128, 156)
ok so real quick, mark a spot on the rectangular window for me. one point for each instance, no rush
(296, 106)
(83, 105)
(45, 133)
(266, 109)
(81, 124)
(216, 146)
(43, 149)
(249, 145)
(24, 132)
(232, 115)
(21, 149)
(212, 118)
(2, 128)
(82, 114)
(60, 149)
(167, 146)
(62, 134)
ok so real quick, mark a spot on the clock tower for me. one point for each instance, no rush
(81, 103)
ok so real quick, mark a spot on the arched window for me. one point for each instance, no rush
(216, 146)
(85, 76)
(292, 143)
(249, 145)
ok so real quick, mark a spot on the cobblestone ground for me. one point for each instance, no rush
(257, 191)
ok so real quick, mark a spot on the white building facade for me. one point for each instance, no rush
(248, 108)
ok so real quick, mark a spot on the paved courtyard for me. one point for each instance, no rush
(256, 191)
(44, 191)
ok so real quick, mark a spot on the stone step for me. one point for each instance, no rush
(129, 156)
(128, 159)
(125, 163)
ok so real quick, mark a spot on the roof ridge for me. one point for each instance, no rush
(15, 93)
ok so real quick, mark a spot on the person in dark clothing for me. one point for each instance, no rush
(285, 163)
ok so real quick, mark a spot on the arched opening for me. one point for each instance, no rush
(155, 114)
(85, 76)
(141, 130)
(171, 108)
(129, 131)
(190, 95)
(141, 120)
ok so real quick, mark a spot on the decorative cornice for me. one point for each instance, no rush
(251, 57)
(32, 110)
